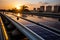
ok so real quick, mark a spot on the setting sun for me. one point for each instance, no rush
(18, 6)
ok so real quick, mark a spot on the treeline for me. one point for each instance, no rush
(23, 9)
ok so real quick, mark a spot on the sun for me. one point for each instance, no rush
(18, 6)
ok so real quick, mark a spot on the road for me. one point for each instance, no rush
(42, 32)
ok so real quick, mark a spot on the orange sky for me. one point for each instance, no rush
(9, 4)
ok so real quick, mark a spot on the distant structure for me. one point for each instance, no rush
(48, 8)
(41, 8)
(34, 9)
(38, 9)
(53, 8)
(56, 8)
(45, 7)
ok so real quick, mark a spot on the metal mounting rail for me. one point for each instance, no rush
(3, 30)
(27, 32)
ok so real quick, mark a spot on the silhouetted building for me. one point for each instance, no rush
(38, 9)
(41, 8)
(34, 9)
(56, 8)
(48, 8)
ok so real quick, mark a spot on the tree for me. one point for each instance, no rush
(23, 8)
(14, 10)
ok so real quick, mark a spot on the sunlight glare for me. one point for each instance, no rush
(18, 6)
(18, 14)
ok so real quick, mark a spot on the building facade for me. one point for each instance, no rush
(41, 8)
(48, 8)
(56, 9)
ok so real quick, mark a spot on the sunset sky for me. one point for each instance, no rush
(8, 4)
